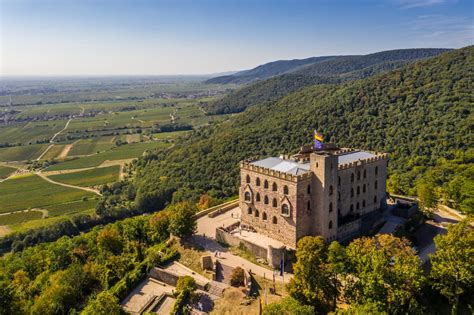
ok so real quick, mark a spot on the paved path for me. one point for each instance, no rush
(205, 237)
(95, 191)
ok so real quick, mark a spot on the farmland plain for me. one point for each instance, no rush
(81, 133)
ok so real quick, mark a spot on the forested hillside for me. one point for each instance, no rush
(418, 114)
(332, 70)
(267, 70)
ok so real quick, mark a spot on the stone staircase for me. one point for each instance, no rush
(217, 288)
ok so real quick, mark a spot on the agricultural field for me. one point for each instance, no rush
(5, 171)
(89, 178)
(20, 217)
(92, 146)
(22, 153)
(123, 152)
(170, 135)
(31, 191)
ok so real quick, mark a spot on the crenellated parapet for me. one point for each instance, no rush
(379, 156)
(246, 165)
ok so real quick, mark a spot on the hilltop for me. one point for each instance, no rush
(336, 69)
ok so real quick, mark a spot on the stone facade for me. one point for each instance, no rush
(319, 198)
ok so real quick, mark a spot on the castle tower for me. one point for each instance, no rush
(324, 195)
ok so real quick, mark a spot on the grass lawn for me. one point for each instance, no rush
(5, 171)
(127, 151)
(21, 153)
(30, 191)
(19, 217)
(93, 177)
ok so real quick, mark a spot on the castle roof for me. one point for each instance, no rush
(298, 167)
(354, 156)
(283, 165)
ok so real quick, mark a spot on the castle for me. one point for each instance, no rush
(323, 191)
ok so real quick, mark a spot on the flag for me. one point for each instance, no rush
(318, 136)
(318, 145)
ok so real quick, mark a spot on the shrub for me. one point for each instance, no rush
(238, 277)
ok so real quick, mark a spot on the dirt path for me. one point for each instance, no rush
(46, 178)
(65, 151)
(52, 140)
(4, 230)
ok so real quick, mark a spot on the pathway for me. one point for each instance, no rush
(205, 237)
(95, 191)
(52, 140)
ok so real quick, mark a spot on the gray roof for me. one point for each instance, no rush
(353, 157)
(281, 165)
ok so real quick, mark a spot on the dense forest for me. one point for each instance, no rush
(331, 70)
(325, 65)
(420, 115)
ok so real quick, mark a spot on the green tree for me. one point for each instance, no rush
(369, 308)
(337, 260)
(8, 303)
(311, 284)
(288, 306)
(182, 222)
(159, 224)
(452, 270)
(427, 196)
(105, 303)
(385, 270)
(109, 240)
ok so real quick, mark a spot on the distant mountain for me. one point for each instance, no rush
(267, 70)
(330, 70)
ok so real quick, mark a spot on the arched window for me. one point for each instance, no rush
(330, 207)
(275, 220)
(376, 170)
(308, 189)
(358, 206)
(285, 190)
(257, 181)
(331, 190)
(376, 185)
(338, 196)
(363, 188)
(358, 175)
(358, 190)
(352, 208)
(285, 209)
(247, 179)
(274, 202)
(375, 199)
(363, 203)
(352, 177)
(265, 200)
(249, 210)
(257, 197)
(264, 216)
(274, 187)
(330, 224)
(365, 174)
(339, 180)
(352, 192)
(247, 196)
(308, 205)
(265, 184)
(257, 214)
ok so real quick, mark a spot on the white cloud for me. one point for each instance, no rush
(410, 4)
(438, 30)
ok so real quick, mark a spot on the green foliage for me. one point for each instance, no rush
(185, 288)
(288, 306)
(93, 177)
(418, 114)
(385, 271)
(103, 304)
(182, 221)
(237, 279)
(311, 283)
(453, 263)
(369, 308)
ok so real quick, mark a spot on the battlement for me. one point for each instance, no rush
(379, 156)
(246, 164)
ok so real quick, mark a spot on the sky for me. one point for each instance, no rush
(169, 37)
